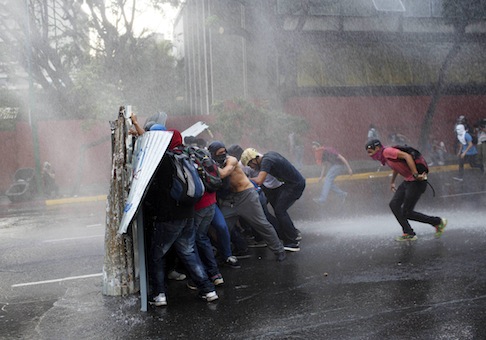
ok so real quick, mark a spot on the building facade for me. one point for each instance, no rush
(335, 62)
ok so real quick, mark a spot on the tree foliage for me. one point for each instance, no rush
(85, 56)
(240, 121)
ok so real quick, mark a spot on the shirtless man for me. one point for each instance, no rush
(242, 200)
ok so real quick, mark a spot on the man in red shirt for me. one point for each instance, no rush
(332, 165)
(408, 192)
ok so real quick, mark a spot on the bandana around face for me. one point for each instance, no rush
(461, 133)
(220, 159)
(378, 156)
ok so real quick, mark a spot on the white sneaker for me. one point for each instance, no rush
(211, 296)
(160, 300)
(175, 275)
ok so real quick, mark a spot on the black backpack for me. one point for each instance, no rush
(419, 160)
(206, 167)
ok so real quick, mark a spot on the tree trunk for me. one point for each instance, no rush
(118, 266)
(437, 93)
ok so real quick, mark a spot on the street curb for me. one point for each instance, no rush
(72, 200)
(384, 173)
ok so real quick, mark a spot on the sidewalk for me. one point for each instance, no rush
(8, 207)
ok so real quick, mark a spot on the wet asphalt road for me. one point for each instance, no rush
(351, 280)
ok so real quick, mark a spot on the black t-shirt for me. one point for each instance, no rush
(279, 167)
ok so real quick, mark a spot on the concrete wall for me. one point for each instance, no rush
(65, 144)
(338, 121)
(343, 122)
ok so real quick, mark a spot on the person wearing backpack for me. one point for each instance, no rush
(174, 227)
(466, 152)
(408, 192)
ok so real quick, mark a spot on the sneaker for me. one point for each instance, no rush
(256, 244)
(242, 254)
(217, 280)
(439, 229)
(191, 285)
(299, 236)
(292, 247)
(211, 296)
(281, 256)
(159, 300)
(460, 179)
(232, 262)
(175, 275)
(406, 237)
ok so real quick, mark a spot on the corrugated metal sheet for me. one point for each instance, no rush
(152, 146)
(195, 129)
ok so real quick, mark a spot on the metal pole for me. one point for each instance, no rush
(32, 120)
(142, 262)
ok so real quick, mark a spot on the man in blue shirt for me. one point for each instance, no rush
(466, 152)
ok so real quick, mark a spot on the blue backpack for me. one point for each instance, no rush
(187, 187)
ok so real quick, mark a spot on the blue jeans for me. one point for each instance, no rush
(224, 240)
(334, 171)
(181, 234)
(202, 220)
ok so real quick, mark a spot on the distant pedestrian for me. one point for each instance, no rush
(439, 152)
(51, 189)
(373, 132)
(332, 165)
(482, 142)
(408, 192)
(466, 152)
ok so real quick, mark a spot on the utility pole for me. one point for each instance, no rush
(32, 119)
(118, 267)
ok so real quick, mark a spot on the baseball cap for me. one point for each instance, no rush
(372, 144)
(248, 155)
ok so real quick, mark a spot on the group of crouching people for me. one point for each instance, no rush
(189, 234)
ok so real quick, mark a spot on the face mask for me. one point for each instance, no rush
(220, 159)
(378, 156)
